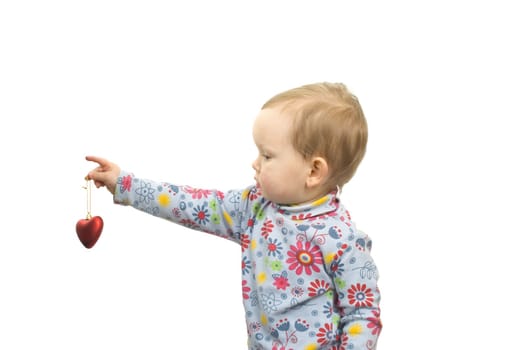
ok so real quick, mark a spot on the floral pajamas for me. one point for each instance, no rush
(308, 279)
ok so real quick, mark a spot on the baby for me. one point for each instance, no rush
(308, 279)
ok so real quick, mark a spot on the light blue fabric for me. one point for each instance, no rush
(308, 279)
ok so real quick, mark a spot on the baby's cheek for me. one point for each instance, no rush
(264, 183)
(268, 187)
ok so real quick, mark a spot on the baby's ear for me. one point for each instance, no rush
(319, 171)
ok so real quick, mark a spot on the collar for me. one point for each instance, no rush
(321, 206)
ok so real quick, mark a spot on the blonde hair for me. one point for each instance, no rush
(329, 123)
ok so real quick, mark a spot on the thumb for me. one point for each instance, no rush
(97, 177)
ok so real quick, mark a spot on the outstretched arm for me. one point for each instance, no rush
(213, 211)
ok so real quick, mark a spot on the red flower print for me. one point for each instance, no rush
(267, 228)
(188, 223)
(281, 282)
(375, 324)
(308, 258)
(301, 217)
(318, 287)
(325, 334)
(324, 216)
(197, 193)
(348, 215)
(344, 340)
(245, 241)
(253, 195)
(296, 291)
(254, 327)
(245, 289)
(176, 212)
(359, 295)
(126, 183)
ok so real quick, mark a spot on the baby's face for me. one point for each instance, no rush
(281, 171)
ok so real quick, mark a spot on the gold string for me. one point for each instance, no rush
(88, 197)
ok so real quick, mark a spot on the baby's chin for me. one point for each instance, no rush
(272, 196)
(262, 192)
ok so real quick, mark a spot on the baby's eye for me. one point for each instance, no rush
(265, 156)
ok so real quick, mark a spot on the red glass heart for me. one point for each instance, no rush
(89, 230)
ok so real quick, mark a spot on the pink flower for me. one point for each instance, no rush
(126, 183)
(318, 287)
(281, 282)
(374, 323)
(197, 193)
(308, 258)
(267, 228)
(325, 334)
(359, 295)
(245, 289)
(253, 195)
(245, 241)
(301, 217)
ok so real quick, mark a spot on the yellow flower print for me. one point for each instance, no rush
(310, 346)
(329, 258)
(264, 320)
(355, 330)
(163, 199)
(262, 277)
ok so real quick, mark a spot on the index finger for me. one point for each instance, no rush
(101, 161)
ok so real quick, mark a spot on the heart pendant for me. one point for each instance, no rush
(89, 230)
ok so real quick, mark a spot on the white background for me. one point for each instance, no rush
(169, 91)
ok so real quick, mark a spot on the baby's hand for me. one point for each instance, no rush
(105, 174)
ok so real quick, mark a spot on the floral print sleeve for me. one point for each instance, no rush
(211, 211)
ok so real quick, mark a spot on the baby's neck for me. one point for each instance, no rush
(315, 195)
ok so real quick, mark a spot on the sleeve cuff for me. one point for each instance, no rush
(123, 188)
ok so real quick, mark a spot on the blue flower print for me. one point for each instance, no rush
(335, 232)
(201, 214)
(236, 199)
(368, 270)
(318, 226)
(145, 192)
(301, 325)
(254, 299)
(246, 265)
(270, 303)
(337, 268)
(274, 247)
(302, 228)
(328, 310)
